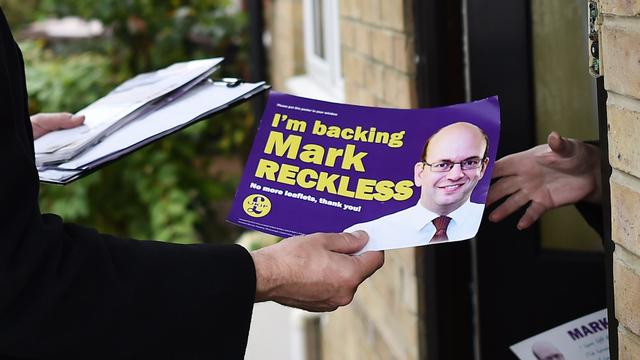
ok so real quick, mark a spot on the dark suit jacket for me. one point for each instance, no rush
(69, 292)
(592, 213)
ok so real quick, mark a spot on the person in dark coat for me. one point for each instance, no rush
(68, 292)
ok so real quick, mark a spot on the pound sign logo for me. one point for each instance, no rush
(256, 205)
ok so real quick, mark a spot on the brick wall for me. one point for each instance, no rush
(377, 52)
(621, 68)
(286, 53)
(379, 70)
(383, 320)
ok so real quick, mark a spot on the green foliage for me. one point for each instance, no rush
(57, 84)
(179, 188)
(151, 34)
(18, 11)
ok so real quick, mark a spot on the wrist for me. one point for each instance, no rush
(266, 274)
(595, 196)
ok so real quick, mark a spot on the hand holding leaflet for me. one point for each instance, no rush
(314, 272)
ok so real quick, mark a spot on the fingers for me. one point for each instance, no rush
(62, 121)
(501, 188)
(73, 121)
(533, 213)
(512, 204)
(560, 145)
(56, 121)
(370, 262)
(314, 272)
(346, 243)
(48, 118)
(506, 166)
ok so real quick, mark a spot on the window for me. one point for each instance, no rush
(323, 78)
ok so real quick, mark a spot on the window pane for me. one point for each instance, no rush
(318, 28)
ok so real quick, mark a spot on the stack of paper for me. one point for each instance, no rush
(139, 111)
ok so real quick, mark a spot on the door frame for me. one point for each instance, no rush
(445, 271)
(450, 290)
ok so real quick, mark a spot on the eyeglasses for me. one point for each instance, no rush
(444, 166)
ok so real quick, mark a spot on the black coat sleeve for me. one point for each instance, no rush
(69, 292)
(592, 213)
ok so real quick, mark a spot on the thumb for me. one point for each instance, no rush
(55, 121)
(370, 262)
(347, 243)
(560, 145)
(70, 121)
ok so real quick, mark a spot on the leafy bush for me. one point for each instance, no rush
(179, 188)
(68, 83)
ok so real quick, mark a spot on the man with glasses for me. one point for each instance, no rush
(453, 161)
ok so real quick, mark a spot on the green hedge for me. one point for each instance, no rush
(177, 189)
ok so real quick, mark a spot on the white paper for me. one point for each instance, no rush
(208, 97)
(586, 338)
(120, 103)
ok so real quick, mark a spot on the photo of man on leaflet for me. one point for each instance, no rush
(453, 161)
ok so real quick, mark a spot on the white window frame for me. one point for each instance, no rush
(323, 78)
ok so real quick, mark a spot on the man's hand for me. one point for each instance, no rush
(561, 172)
(314, 272)
(46, 122)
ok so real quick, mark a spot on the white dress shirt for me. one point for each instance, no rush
(414, 227)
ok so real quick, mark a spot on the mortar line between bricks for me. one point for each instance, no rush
(621, 21)
(628, 258)
(625, 179)
(629, 334)
(624, 101)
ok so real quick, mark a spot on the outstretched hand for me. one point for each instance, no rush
(43, 123)
(561, 172)
(314, 272)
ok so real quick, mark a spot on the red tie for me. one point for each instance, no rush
(441, 223)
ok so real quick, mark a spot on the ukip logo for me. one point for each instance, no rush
(256, 205)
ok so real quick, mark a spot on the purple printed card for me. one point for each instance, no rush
(406, 177)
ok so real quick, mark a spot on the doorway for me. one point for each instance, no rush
(506, 285)
(533, 54)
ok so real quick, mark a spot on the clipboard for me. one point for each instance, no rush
(207, 98)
